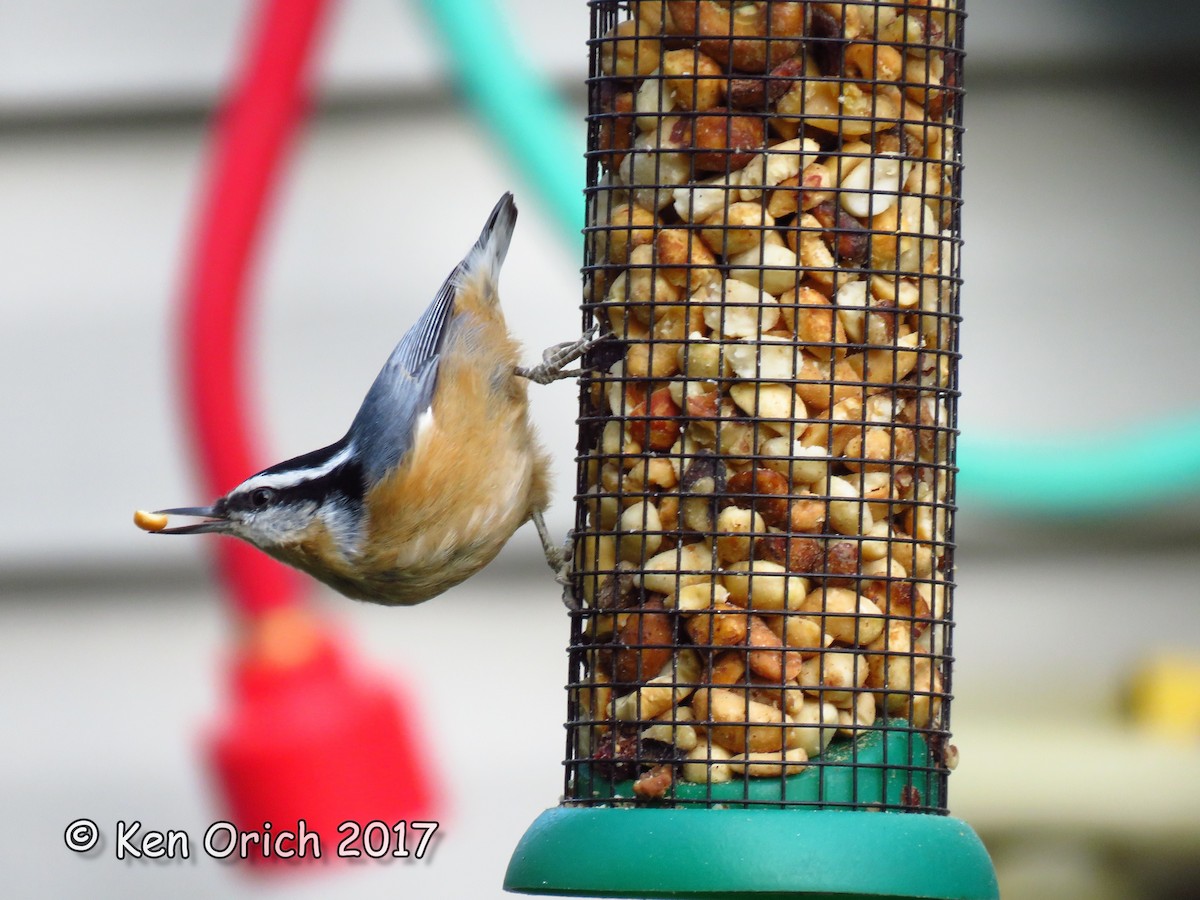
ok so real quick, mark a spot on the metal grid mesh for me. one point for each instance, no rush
(764, 544)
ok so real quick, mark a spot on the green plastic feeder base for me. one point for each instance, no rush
(753, 853)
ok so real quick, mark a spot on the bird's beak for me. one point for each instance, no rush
(216, 517)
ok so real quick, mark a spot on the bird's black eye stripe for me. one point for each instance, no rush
(260, 497)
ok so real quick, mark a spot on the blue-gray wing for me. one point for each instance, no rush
(385, 428)
(386, 424)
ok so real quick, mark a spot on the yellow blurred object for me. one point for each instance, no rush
(1164, 696)
(284, 637)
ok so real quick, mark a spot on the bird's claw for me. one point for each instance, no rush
(559, 559)
(555, 359)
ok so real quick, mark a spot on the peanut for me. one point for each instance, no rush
(148, 521)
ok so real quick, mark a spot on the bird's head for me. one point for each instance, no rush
(288, 506)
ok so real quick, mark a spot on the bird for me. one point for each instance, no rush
(440, 466)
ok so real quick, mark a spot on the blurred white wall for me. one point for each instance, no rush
(1080, 303)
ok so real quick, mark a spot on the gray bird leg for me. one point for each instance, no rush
(558, 558)
(556, 359)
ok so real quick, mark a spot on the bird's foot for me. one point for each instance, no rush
(558, 557)
(556, 359)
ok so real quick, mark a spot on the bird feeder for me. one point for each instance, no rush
(760, 661)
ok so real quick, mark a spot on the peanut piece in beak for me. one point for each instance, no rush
(148, 521)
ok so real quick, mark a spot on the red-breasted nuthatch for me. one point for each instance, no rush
(439, 468)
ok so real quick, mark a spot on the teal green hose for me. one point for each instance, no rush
(1075, 474)
(533, 125)
(1083, 473)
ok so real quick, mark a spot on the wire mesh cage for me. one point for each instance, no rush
(763, 556)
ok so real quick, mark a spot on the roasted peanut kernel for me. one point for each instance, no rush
(767, 400)
(736, 441)
(756, 94)
(847, 238)
(736, 528)
(660, 427)
(602, 509)
(763, 585)
(865, 323)
(833, 676)
(766, 490)
(667, 689)
(734, 309)
(844, 615)
(860, 715)
(738, 724)
(768, 659)
(817, 183)
(737, 38)
(652, 102)
(860, 109)
(669, 571)
(697, 202)
(842, 424)
(645, 641)
(641, 531)
(924, 75)
(819, 384)
(675, 729)
(769, 764)
(814, 320)
(596, 557)
(706, 764)
(686, 260)
(872, 187)
(913, 689)
(614, 440)
(700, 360)
(645, 283)
(695, 80)
(630, 226)
(896, 642)
(628, 52)
(806, 241)
(905, 236)
(874, 62)
(795, 461)
(767, 266)
(886, 366)
(796, 554)
(798, 633)
(699, 596)
(816, 721)
(720, 141)
(738, 228)
(652, 165)
(148, 521)
(721, 625)
(646, 360)
(770, 358)
(780, 162)
(881, 447)
(848, 514)
(784, 200)
(728, 667)
(616, 130)
(676, 323)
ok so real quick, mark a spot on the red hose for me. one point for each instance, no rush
(309, 735)
(253, 135)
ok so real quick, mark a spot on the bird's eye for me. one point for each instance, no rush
(260, 497)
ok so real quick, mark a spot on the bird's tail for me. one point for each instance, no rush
(487, 256)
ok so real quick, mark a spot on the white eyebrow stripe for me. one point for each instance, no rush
(284, 480)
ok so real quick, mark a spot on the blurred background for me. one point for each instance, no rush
(1080, 222)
